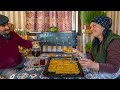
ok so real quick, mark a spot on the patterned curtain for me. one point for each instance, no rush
(38, 21)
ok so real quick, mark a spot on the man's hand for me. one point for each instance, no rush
(35, 42)
(30, 38)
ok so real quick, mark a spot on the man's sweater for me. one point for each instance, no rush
(9, 52)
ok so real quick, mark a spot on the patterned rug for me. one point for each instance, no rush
(1, 77)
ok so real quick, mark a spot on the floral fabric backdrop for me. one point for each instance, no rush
(37, 21)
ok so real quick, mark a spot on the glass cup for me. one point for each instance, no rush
(43, 60)
(35, 62)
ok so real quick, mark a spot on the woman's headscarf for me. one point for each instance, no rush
(104, 21)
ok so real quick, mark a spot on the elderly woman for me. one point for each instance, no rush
(105, 54)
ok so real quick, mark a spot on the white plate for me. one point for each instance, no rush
(68, 52)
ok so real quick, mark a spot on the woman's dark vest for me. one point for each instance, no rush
(99, 55)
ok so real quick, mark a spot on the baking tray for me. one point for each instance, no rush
(53, 75)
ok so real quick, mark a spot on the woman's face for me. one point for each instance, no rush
(96, 29)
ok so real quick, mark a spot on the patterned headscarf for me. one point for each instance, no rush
(104, 21)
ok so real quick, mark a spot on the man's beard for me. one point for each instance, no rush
(6, 34)
(3, 32)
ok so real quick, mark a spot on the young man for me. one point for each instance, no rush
(10, 57)
(105, 61)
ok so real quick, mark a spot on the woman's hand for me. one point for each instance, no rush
(88, 63)
(76, 52)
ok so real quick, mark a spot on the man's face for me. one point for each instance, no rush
(4, 29)
(96, 29)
